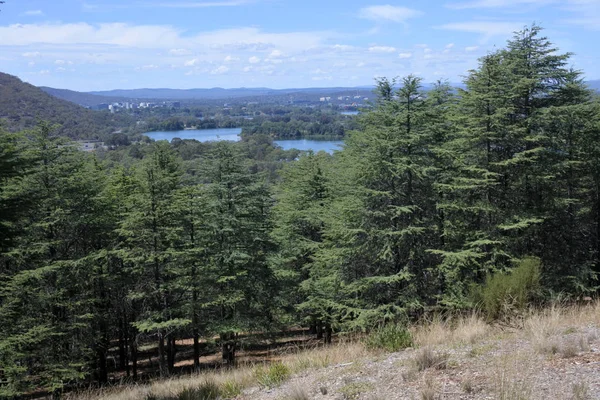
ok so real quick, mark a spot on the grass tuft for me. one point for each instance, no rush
(273, 375)
(427, 358)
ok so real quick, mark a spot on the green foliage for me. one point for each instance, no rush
(391, 337)
(512, 291)
(272, 375)
(435, 192)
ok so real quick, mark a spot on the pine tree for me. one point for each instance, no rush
(303, 200)
(239, 280)
(149, 232)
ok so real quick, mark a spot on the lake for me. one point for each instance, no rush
(232, 134)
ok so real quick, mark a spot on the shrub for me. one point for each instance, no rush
(427, 358)
(503, 293)
(391, 337)
(273, 375)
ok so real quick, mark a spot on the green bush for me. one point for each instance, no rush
(273, 375)
(391, 337)
(513, 291)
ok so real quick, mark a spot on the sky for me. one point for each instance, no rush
(124, 44)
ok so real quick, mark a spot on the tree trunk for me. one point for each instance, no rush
(134, 355)
(162, 362)
(319, 330)
(171, 352)
(196, 350)
(328, 333)
(122, 345)
(228, 347)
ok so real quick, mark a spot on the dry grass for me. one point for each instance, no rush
(461, 330)
(512, 378)
(427, 358)
(559, 331)
(233, 381)
(297, 392)
(428, 389)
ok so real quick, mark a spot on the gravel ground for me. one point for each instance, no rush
(509, 367)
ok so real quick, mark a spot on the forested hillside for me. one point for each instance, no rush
(23, 105)
(441, 201)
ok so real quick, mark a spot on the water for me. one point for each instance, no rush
(201, 135)
(232, 134)
(350, 112)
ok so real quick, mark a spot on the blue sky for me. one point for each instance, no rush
(108, 44)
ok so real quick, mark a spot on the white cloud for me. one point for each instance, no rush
(147, 67)
(487, 29)
(471, 48)
(254, 60)
(276, 54)
(190, 63)
(247, 69)
(231, 59)
(220, 70)
(33, 13)
(449, 45)
(388, 13)
(427, 50)
(382, 49)
(165, 4)
(180, 52)
(31, 63)
(31, 54)
(498, 3)
(342, 47)
(63, 62)
(405, 55)
(156, 37)
(44, 72)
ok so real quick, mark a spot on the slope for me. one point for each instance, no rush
(82, 98)
(22, 105)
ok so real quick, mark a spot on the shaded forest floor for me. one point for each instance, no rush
(552, 354)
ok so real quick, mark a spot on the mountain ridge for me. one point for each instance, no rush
(23, 105)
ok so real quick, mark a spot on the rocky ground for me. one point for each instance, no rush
(550, 357)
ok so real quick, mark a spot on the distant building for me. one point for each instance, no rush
(90, 145)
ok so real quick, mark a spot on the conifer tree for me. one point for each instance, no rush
(239, 282)
(149, 232)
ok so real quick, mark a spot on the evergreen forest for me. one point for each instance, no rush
(436, 200)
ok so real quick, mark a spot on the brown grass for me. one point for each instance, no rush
(460, 330)
(235, 380)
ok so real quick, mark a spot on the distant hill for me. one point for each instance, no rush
(22, 105)
(594, 85)
(81, 98)
(215, 93)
